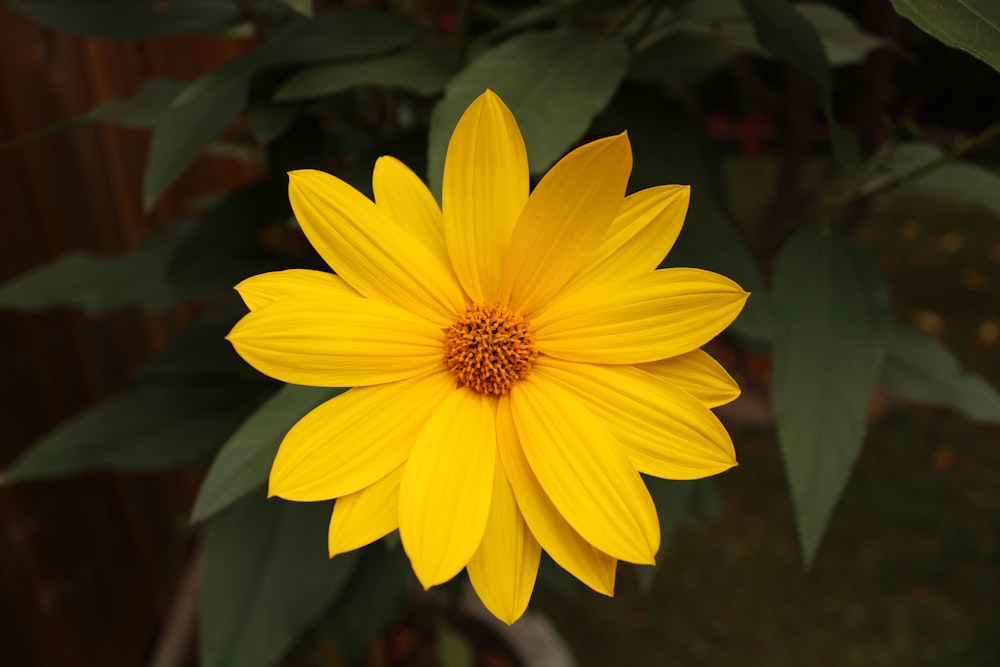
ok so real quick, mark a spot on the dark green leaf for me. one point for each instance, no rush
(422, 71)
(181, 134)
(267, 580)
(554, 83)
(832, 318)
(682, 57)
(201, 349)
(143, 109)
(671, 498)
(372, 599)
(788, 35)
(921, 369)
(331, 35)
(669, 148)
(970, 25)
(130, 18)
(149, 425)
(223, 249)
(844, 42)
(245, 459)
(97, 285)
(453, 649)
(955, 180)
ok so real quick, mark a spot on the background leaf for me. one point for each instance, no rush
(970, 25)
(832, 317)
(554, 82)
(245, 459)
(267, 579)
(423, 71)
(149, 425)
(955, 180)
(788, 35)
(97, 285)
(130, 18)
(921, 369)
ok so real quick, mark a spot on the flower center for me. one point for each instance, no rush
(488, 348)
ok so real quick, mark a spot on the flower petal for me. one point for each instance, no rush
(367, 515)
(641, 235)
(407, 201)
(484, 189)
(697, 373)
(348, 443)
(666, 432)
(266, 288)
(573, 553)
(564, 220)
(370, 251)
(444, 498)
(660, 314)
(339, 341)
(584, 470)
(504, 568)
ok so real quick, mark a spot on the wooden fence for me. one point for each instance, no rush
(88, 565)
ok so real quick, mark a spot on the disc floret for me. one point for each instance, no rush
(489, 348)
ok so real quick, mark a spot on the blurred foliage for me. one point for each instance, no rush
(331, 86)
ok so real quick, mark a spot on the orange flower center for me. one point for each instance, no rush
(488, 348)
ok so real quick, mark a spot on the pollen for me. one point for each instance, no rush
(489, 348)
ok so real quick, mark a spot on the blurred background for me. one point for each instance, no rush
(95, 566)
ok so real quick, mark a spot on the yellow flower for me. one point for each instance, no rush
(516, 360)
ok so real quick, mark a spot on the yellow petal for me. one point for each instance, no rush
(657, 315)
(570, 551)
(367, 515)
(355, 439)
(640, 237)
(407, 201)
(484, 189)
(697, 373)
(370, 251)
(666, 432)
(504, 568)
(339, 341)
(444, 498)
(564, 220)
(266, 288)
(584, 470)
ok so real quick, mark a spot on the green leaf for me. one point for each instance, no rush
(788, 35)
(200, 349)
(213, 102)
(423, 71)
(683, 57)
(267, 580)
(554, 82)
(149, 425)
(843, 41)
(223, 248)
(130, 18)
(97, 285)
(921, 369)
(245, 459)
(331, 35)
(970, 25)
(372, 599)
(671, 498)
(453, 649)
(832, 318)
(181, 134)
(955, 180)
(669, 148)
(143, 108)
